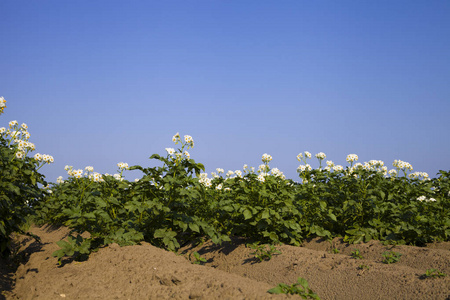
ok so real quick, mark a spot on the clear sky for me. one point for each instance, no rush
(100, 82)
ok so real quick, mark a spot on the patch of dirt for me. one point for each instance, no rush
(230, 272)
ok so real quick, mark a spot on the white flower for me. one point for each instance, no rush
(117, 176)
(330, 163)
(219, 170)
(170, 151)
(60, 180)
(338, 168)
(307, 154)
(24, 126)
(20, 154)
(31, 146)
(263, 168)
(2, 130)
(21, 144)
(423, 198)
(14, 133)
(229, 173)
(321, 155)
(189, 141)
(122, 166)
(12, 123)
(38, 157)
(176, 138)
(352, 157)
(219, 187)
(89, 169)
(188, 156)
(261, 178)
(97, 177)
(303, 168)
(136, 180)
(48, 158)
(238, 173)
(392, 172)
(204, 180)
(77, 173)
(266, 158)
(402, 165)
(299, 157)
(277, 173)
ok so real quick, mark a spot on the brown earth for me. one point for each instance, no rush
(231, 271)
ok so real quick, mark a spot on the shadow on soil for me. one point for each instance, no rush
(19, 255)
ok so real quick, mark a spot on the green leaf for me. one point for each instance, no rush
(276, 290)
(194, 227)
(247, 214)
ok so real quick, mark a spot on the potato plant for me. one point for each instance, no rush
(175, 203)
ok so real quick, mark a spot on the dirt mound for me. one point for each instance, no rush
(230, 271)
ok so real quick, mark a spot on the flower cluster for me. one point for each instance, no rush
(266, 158)
(263, 168)
(351, 158)
(2, 104)
(176, 138)
(122, 166)
(204, 180)
(303, 156)
(277, 173)
(321, 156)
(60, 180)
(372, 165)
(303, 168)
(18, 139)
(189, 141)
(44, 157)
(419, 175)
(170, 151)
(402, 165)
(94, 176)
(423, 198)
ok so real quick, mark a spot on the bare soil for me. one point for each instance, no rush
(231, 271)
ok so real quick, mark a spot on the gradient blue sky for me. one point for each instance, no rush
(101, 82)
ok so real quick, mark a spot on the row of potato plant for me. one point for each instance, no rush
(19, 179)
(176, 202)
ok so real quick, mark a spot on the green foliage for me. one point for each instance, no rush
(19, 191)
(174, 203)
(76, 247)
(433, 273)
(263, 252)
(300, 288)
(198, 260)
(391, 257)
(363, 267)
(356, 254)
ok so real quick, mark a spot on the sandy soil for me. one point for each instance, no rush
(231, 272)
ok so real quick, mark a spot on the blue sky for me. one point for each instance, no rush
(102, 82)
